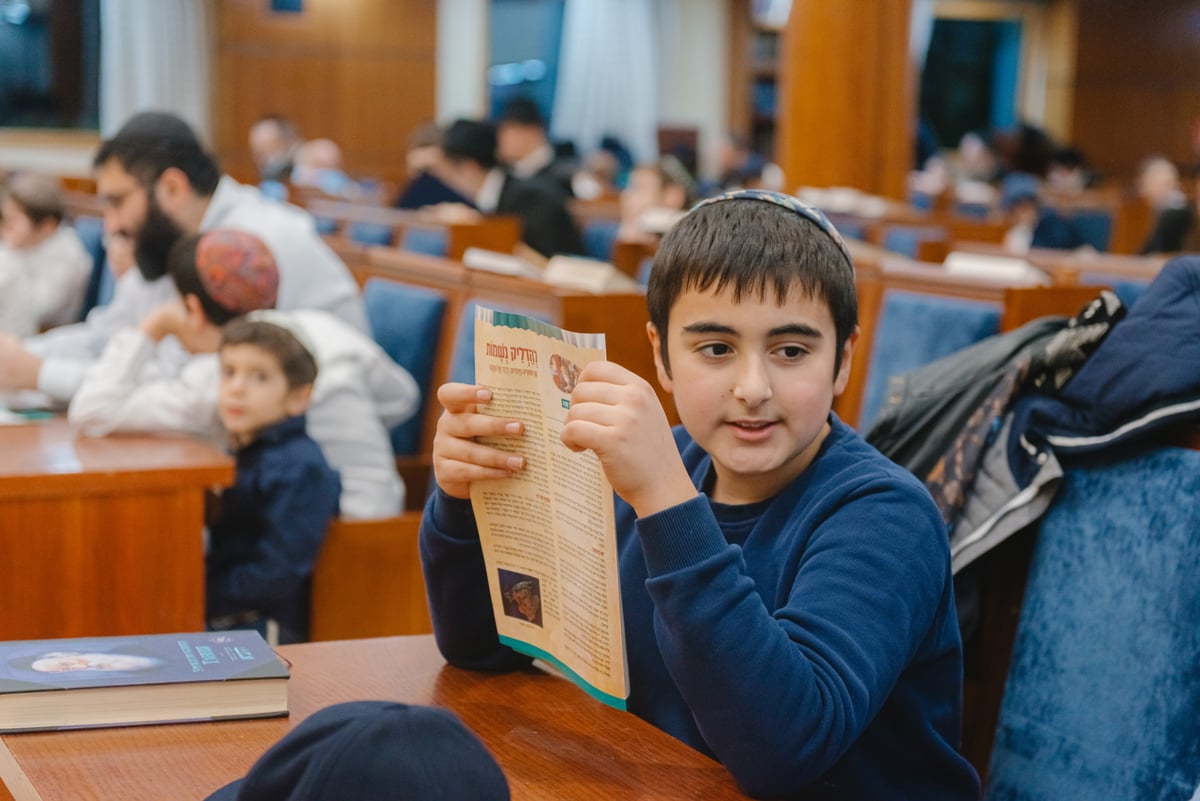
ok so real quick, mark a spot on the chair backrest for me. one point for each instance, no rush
(599, 236)
(914, 329)
(406, 321)
(366, 233)
(906, 239)
(430, 241)
(1103, 695)
(1094, 226)
(100, 283)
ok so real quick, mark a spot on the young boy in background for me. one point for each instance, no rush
(44, 268)
(272, 521)
(786, 590)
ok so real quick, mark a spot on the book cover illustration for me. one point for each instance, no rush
(548, 534)
(63, 664)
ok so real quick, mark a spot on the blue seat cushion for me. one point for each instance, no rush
(904, 239)
(1094, 227)
(1103, 696)
(362, 233)
(599, 236)
(406, 322)
(430, 241)
(915, 329)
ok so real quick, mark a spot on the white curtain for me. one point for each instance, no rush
(920, 32)
(154, 55)
(607, 76)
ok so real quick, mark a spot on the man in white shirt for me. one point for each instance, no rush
(158, 183)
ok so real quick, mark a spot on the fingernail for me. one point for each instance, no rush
(513, 428)
(483, 395)
(515, 462)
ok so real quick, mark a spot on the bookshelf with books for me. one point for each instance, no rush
(757, 34)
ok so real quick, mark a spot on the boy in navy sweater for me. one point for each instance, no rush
(272, 521)
(786, 589)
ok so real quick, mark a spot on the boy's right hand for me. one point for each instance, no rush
(458, 460)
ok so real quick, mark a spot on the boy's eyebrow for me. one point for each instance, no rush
(791, 329)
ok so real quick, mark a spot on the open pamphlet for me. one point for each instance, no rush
(549, 540)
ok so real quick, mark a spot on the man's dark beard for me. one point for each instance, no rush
(154, 241)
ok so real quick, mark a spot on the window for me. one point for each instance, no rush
(49, 63)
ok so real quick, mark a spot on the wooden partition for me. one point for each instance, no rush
(361, 73)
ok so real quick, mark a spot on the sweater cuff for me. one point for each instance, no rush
(454, 516)
(680, 536)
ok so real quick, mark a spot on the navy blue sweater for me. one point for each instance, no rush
(808, 642)
(268, 533)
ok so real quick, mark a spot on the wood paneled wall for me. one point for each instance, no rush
(1137, 81)
(847, 102)
(360, 72)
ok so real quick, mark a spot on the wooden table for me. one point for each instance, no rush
(102, 536)
(551, 739)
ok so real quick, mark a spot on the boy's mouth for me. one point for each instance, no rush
(751, 428)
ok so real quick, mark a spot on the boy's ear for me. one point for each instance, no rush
(195, 312)
(298, 400)
(664, 375)
(843, 375)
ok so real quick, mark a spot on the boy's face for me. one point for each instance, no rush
(753, 382)
(254, 392)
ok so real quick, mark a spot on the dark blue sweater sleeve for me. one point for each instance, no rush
(456, 581)
(300, 500)
(780, 695)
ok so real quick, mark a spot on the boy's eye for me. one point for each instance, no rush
(791, 352)
(259, 376)
(715, 349)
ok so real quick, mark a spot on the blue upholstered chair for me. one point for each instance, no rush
(1103, 695)
(1127, 289)
(598, 239)
(369, 234)
(100, 283)
(406, 321)
(915, 329)
(976, 211)
(430, 241)
(905, 239)
(1094, 226)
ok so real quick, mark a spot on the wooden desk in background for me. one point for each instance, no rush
(551, 739)
(102, 536)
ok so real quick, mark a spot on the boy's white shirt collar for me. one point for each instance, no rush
(488, 196)
(539, 158)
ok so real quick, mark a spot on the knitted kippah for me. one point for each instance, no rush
(237, 271)
(793, 204)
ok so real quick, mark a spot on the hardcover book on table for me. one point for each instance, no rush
(122, 681)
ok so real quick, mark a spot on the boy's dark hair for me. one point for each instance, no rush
(299, 366)
(151, 142)
(522, 111)
(248, 277)
(754, 248)
(39, 196)
(471, 140)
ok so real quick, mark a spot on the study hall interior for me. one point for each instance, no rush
(990, 163)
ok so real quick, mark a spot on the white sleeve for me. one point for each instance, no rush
(69, 352)
(16, 313)
(116, 396)
(396, 394)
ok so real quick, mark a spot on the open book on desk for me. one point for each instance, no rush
(548, 535)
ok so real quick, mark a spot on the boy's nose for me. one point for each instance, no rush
(753, 385)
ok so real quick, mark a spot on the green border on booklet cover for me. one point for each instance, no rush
(538, 653)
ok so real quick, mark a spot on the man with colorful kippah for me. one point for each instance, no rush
(358, 395)
(158, 183)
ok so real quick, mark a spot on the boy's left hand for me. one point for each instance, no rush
(616, 414)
